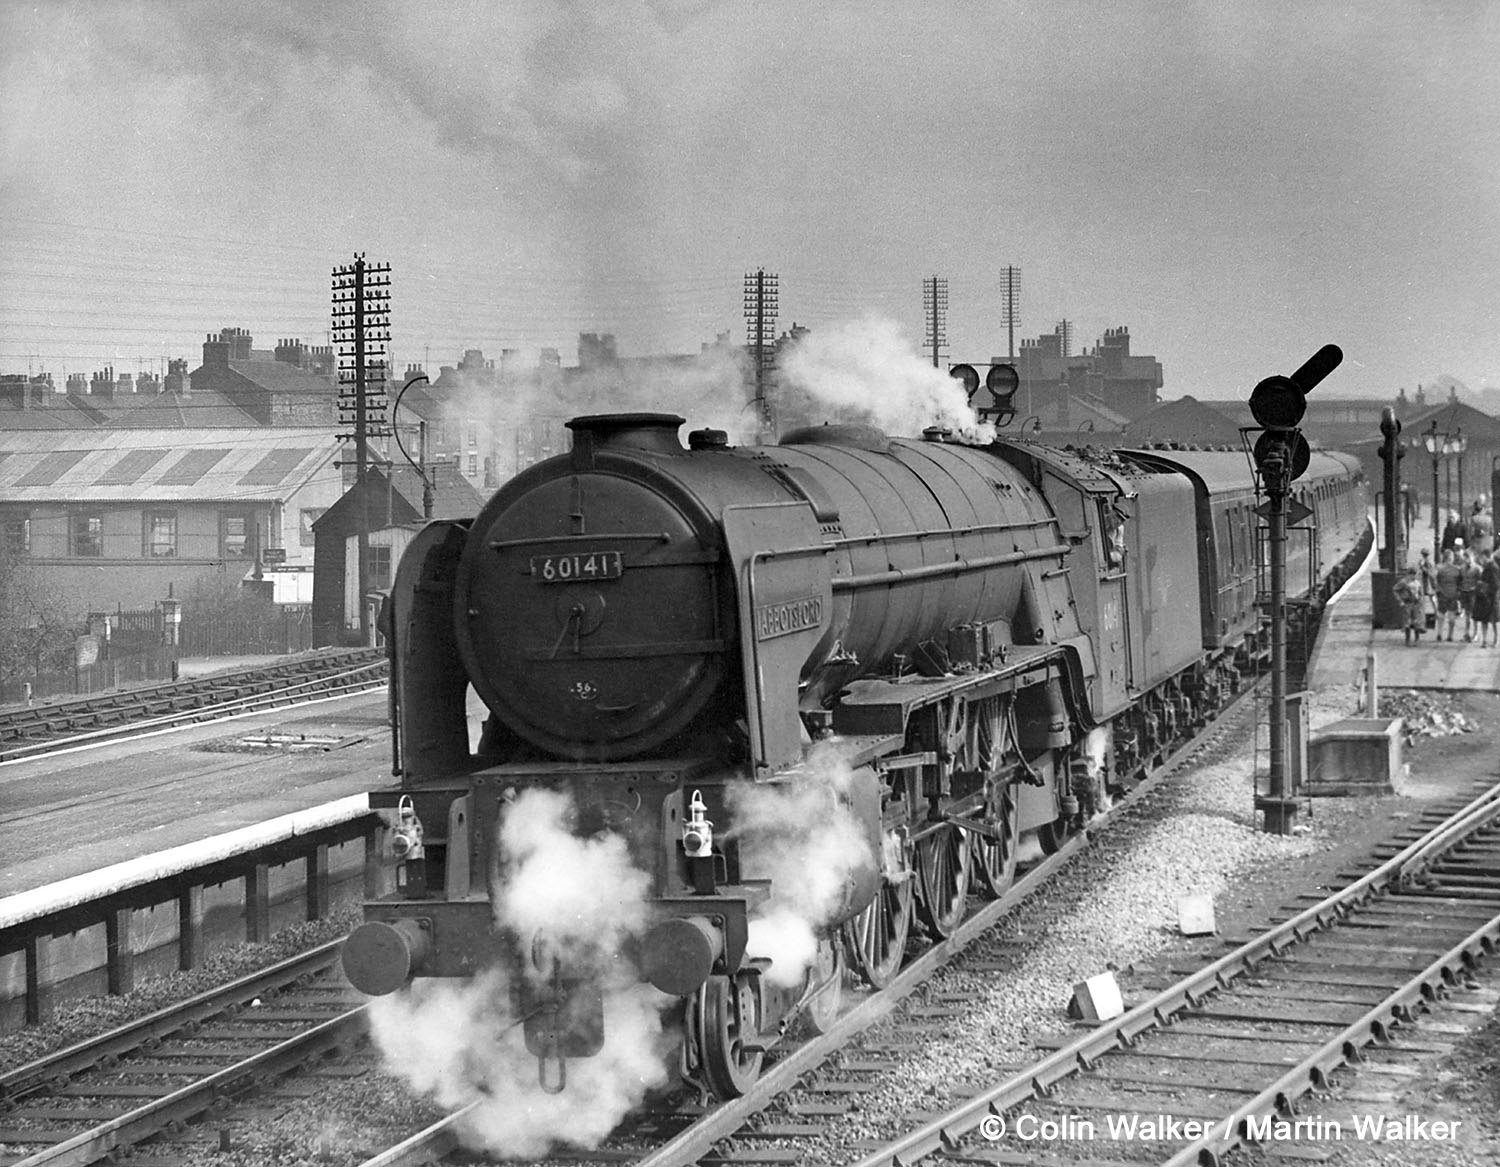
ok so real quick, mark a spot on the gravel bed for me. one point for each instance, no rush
(1115, 905)
(85, 1017)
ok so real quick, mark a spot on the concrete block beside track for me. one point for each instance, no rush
(1359, 755)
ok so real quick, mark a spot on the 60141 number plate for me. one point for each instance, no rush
(579, 565)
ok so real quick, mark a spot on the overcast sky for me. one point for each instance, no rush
(1238, 183)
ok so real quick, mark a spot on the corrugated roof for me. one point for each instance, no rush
(130, 468)
(275, 466)
(177, 464)
(190, 467)
(51, 467)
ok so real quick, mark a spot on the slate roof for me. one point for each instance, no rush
(281, 377)
(63, 413)
(185, 465)
(201, 409)
(401, 504)
(1184, 420)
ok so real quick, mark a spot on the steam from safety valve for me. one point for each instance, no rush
(803, 835)
(574, 899)
(868, 370)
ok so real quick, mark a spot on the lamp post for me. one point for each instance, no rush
(1459, 445)
(1447, 479)
(1434, 443)
(428, 488)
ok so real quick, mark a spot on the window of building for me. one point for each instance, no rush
(309, 516)
(234, 536)
(161, 534)
(86, 534)
(17, 534)
(473, 465)
(380, 566)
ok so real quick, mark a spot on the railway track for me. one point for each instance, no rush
(38, 730)
(813, 1086)
(1231, 1046)
(1222, 1056)
(103, 1096)
(819, 1080)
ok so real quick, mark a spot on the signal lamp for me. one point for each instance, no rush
(1289, 448)
(968, 375)
(1277, 403)
(1002, 381)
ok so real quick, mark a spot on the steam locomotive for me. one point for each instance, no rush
(954, 645)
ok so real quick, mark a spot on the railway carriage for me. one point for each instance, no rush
(977, 642)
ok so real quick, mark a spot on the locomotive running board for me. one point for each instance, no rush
(885, 707)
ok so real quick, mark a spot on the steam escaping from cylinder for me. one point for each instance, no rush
(868, 370)
(459, 1041)
(583, 895)
(803, 835)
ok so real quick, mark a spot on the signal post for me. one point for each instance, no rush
(1282, 456)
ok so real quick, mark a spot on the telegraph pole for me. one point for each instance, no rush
(935, 308)
(761, 291)
(1011, 307)
(361, 328)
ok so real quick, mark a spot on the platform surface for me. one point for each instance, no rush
(1349, 635)
(65, 814)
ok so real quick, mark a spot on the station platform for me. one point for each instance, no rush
(1349, 636)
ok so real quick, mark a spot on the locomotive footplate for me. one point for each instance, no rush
(885, 707)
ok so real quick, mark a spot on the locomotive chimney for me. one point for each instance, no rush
(654, 433)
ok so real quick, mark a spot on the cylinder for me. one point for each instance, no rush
(381, 956)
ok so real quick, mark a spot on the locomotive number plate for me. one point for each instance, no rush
(581, 565)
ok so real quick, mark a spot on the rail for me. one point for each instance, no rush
(160, 706)
(1084, 1053)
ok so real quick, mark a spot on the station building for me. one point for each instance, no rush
(123, 517)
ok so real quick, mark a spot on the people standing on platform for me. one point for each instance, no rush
(1447, 578)
(1468, 584)
(1487, 602)
(1481, 530)
(1408, 591)
(1453, 531)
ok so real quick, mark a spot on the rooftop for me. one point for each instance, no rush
(188, 465)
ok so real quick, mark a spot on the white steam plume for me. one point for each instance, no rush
(867, 367)
(707, 389)
(458, 1040)
(803, 836)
